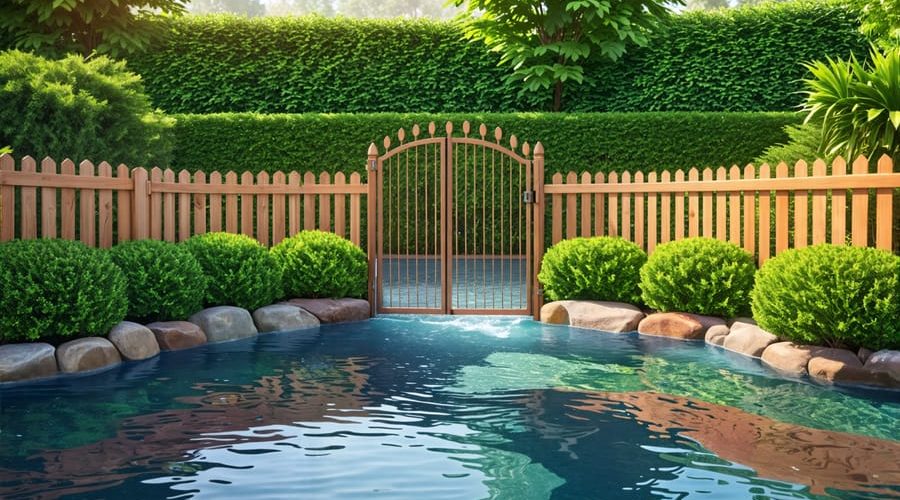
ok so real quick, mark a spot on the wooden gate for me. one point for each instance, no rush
(455, 226)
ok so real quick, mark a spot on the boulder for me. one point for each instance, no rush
(175, 335)
(676, 325)
(134, 341)
(555, 313)
(614, 317)
(89, 353)
(716, 334)
(334, 310)
(885, 361)
(280, 317)
(747, 338)
(223, 323)
(27, 361)
(863, 354)
(789, 358)
(841, 365)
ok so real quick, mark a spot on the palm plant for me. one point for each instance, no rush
(857, 104)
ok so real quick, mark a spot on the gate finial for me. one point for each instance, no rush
(539, 149)
(449, 128)
(373, 149)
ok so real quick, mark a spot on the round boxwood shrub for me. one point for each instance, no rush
(600, 268)
(239, 271)
(698, 275)
(164, 280)
(58, 288)
(320, 264)
(832, 295)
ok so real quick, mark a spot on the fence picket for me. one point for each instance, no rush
(694, 206)
(781, 211)
(262, 210)
(651, 215)
(599, 207)
(838, 205)
(625, 228)
(231, 205)
(639, 200)
(325, 204)
(246, 210)
(7, 201)
(355, 217)
(309, 200)
(708, 206)
(293, 205)
(860, 200)
(665, 210)
(199, 205)
(819, 206)
(613, 212)
(556, 203)
(184, 208)
(48, 202)
(105, 209)
(680, 216)
(765, 212)
(123, 206)
(586, 207)
(801, 208)
(215, 203)
(168, 208)
(734, 209)
(28, 199)
(278, 214)
(749, 208)
(88, 227)
(884, 208)
(721, 207)
(340, 208)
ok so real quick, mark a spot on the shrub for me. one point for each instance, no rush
(732, 60)
(618, 141)
(164, 280)
(600, 268)
(58, 288)
(833, 295)
(239, 271)
(76, 109)
(698, 275)
(320, 264)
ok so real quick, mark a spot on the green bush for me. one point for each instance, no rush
(164, 280)
(600, 268)
(81, 110)
(732, 60)
(320, 264)
(833, 295)
(596, 142)
(239, 271)
(698, 275)
(58, 288)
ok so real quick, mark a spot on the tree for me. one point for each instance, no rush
(247, 8)
(435, 9)
(546, 42)
(880, 21)
(55, 27)
(857, 104)
(300, 7)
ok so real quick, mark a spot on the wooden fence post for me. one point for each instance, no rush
(539, 209)
(371, 215)
(141, 204)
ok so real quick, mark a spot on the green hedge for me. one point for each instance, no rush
(733, 60)
(590, 141)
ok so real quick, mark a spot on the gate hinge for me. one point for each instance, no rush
(373, 165)
(540, 292)
(528, 196)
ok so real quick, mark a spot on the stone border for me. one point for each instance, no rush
(741, 335)
(132, 341)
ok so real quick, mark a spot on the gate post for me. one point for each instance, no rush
(372, 225)
(539, 207)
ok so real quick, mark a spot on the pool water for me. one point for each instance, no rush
(447, 407)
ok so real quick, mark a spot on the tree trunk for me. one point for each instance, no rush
(557, 96)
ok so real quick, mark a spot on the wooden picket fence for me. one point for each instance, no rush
(762, 212)
(102, 206)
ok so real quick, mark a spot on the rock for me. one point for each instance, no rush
(841, 365)
(224, 323)
(788, 357)
(741, 322)
(134, 341)
(885, 361)
(749, 339)
(89, 353)
(27, 361)
(863, 354)
(555, 313)
(174, 335)
(613, 317)
(334, 310)
(280, 317)
(716, 334)
(683, 326)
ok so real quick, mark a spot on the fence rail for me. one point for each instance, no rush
(101, 206)
(765, 213)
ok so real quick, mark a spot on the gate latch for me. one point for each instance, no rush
(528, 196)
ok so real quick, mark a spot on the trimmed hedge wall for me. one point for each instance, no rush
(733, 60)
(594, 142)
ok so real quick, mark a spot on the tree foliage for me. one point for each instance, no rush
(880, 21)
(248, 8)
(56, 27)
(548, 42)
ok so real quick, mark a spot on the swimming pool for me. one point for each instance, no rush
(446, 407)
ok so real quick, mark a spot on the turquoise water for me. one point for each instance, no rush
(447, 407)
